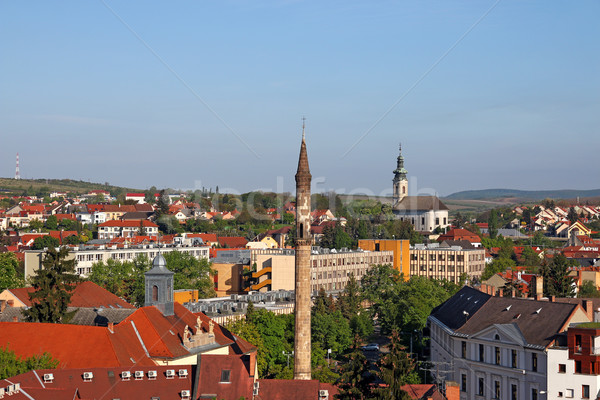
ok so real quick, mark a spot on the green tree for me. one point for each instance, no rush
(588, 290)
(45, 242)
(54, 285)
(497, 265)
(322, 303)
(52, 223)
(557, 281)
(191, 273)
(572, 215)
(355, 376)
(396, 369)
(350, 300)
(11, 365)
(493, 224)
(331, 331)
(9, 276)
(530, 258)
(36, 225)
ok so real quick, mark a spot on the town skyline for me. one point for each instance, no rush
(480, 96)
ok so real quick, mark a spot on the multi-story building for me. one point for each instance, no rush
(574, 363)
(446, 262)
(499, 347)
(330, 268)
(130, 228)
(400, 248)
(86, 256)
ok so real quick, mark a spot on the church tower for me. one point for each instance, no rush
(302, 350)
(159, 286)
(400, 181)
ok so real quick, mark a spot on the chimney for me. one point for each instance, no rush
(500, 293)
(589, 310)
(15, 319)
(513, 293)
(2, 306)
(525, 295)
(553, 299)
(539, 285)
(111, 327)
(452, 391)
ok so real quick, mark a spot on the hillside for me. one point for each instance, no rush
(522, 195)
(44, 186)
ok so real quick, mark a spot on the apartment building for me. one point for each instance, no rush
(438, 261)
(86, 256)
(330, 268)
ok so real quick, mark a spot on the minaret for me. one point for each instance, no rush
(302, 351)
(400, 181)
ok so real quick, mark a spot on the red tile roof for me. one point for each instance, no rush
(232, 241)
(135, 195)
(280, 389)
(86, 294)
(459, 234)
(74, 346)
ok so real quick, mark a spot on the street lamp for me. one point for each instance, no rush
(288, 355)
(328, 353)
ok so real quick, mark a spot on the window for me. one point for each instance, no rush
(513, 392)
(463, 383)
(513, 358)
(534, 394)
(534, 362)
(422, 220)
(480, 387)
(154, 293)
(562, 368)
(497, 390)
(481, 353)
(577, 343)
(585, 391)
(497, 353)
(569, 393)
(463, 345)
(577, 366)
(225, 376)
(437, 221)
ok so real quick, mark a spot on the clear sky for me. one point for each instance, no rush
(486, 94)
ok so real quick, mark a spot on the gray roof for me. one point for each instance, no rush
(538, 321)
(420, 203)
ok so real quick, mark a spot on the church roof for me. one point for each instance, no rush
(420, 203)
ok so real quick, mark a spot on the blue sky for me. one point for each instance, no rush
(488, 94)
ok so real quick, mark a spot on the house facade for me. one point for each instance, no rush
(498, 347)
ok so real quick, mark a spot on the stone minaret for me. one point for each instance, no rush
(302, 349)
(400, 181)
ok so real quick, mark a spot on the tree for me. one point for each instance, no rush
(396, 369)
(9, 277)
(572, 215)
(355, 377)
(588, 289)
(11, 365)
(493, 224)
(350, 299)
(45, 242)
(530, 258)
(191, 273)
(54, 285)
(557, 281)
(52, 223)
(331, 331)
(497, 265)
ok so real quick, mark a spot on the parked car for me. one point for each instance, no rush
(371, 347)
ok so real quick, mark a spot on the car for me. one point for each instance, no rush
(371, 347)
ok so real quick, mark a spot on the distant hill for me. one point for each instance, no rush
(489, 194)
(43, 186)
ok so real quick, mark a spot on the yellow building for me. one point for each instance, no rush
(401, 249)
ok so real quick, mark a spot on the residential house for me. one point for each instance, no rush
(116, 228)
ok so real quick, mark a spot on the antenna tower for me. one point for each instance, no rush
(17, 173)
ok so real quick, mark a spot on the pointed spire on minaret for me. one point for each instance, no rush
(303, 168)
